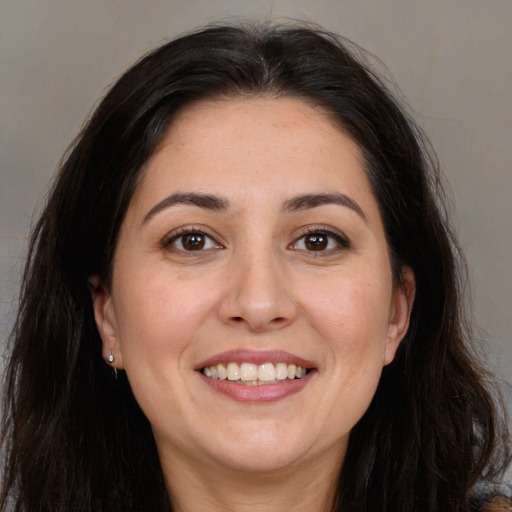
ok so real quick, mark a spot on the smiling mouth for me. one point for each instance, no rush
(250, 374)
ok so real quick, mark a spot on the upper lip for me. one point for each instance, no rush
(255, 357)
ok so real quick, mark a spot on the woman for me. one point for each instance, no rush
(243, 295)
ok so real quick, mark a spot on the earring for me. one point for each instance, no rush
(110, 360)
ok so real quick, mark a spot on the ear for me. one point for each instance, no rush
(104, 315)
(400, 312)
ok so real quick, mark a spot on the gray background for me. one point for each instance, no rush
(452, 60)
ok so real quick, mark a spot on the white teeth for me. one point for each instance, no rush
(222, 372)
(281, 371)
(248, 371)
(300, 372)
(254, 374)
(266, 372)
(233, 371)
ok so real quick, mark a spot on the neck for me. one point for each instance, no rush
(309, 487)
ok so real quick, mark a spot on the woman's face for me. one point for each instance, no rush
(253, 251)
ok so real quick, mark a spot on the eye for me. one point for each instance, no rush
(320, 241)
(190, 241)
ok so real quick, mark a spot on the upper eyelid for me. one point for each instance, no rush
(326, 230)
(203, 230)
(342, 243)
(183, 231)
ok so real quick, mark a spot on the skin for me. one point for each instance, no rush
(256, 285)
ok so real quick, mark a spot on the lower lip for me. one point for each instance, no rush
(258, 394)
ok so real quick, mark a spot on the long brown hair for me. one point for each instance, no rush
(75, 438)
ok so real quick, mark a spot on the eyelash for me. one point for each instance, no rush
(168, 242)
(341, 241)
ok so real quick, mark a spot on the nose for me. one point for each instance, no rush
(258, 295)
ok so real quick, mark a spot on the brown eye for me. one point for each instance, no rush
(326, 242)
(316, 242)
(193, 242)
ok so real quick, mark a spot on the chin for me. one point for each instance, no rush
(264, 448)
(261, 460)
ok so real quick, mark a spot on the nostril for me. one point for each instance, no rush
(277, 320)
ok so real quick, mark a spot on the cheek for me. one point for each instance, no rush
(350, 321)
(352, 315)
(157, 316)
(357, 306)
(158, 328)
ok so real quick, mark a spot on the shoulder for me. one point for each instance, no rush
(489, 504)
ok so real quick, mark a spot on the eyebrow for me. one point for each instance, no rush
(307, 201)
(216, 203)
(206, 201)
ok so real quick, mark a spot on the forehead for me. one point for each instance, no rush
(255, 149)
(253, 121)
